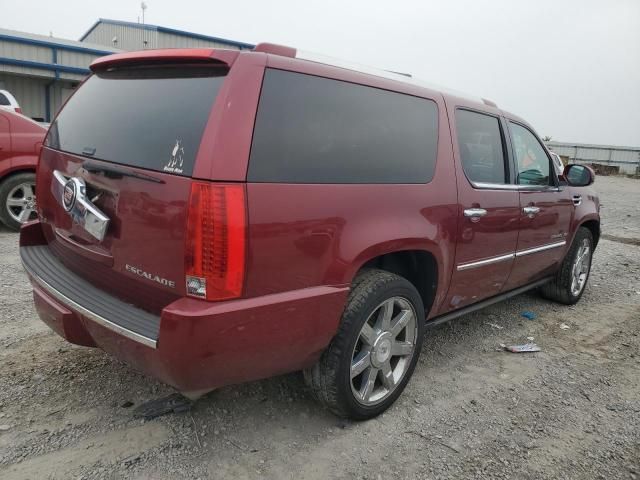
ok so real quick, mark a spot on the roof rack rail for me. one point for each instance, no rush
(276, 49)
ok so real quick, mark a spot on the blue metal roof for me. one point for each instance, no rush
(173, 31)
(54, 44)
(44, 66)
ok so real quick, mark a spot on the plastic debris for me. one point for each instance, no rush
(564, 326)
(528, 315)
(526, 348)
(530, 339)
(494, 325)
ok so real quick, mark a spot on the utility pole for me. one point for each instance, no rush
(143, 6)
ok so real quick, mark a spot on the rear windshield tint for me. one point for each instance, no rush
(151, 118)
(317, 130)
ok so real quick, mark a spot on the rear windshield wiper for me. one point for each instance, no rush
(114, 172)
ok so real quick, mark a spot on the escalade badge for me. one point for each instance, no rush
(71, 193)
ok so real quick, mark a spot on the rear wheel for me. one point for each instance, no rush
(18, 200)
(571, 279)
(372, 357)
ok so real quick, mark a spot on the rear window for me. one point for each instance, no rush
(151, 117)
(481, 147)
(4, 100)
(317, 130)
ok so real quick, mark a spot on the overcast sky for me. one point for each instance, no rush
(570, 67)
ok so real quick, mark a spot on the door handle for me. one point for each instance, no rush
(577, 200)
(531, 211)
(475, 213)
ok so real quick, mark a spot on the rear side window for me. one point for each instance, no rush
(151, 117)
(317, 130)
(481, 147)
(4, 100)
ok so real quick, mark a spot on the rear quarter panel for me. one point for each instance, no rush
(25, 142)
(305, 235)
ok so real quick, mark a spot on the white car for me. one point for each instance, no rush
(9, 102)
(557, 162)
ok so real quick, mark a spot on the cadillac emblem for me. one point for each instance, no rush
(69, 194)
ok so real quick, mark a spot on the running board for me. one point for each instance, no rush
(485, 303)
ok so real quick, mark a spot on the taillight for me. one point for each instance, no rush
(216, 237)
(18, 110)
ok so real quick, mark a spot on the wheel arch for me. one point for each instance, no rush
(418, 265)
(593, 225)
(11, 172)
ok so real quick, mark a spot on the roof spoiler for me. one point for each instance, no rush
(173, 55)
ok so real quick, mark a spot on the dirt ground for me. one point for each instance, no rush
(470, 410)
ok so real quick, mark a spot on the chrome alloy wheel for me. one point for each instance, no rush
(383, 351)
(580, 268)
(21, 202)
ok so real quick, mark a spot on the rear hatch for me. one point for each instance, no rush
(129, 137)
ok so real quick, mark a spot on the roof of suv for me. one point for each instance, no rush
(227, 56)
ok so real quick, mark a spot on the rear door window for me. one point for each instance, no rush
(318, 130)
(147, 117)
(481, 147)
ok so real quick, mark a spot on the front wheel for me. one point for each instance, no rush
(570, 281)
(18, 200)
(372, 357)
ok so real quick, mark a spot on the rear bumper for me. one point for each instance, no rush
(198, 345)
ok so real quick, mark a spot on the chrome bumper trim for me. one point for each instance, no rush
(88, 313)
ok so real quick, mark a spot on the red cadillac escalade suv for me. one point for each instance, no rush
(213, 217)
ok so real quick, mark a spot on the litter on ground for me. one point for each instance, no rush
(564, 326)
(528, 315)
(527, 347)
(494, 325)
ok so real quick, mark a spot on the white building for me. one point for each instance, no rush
(627, 159)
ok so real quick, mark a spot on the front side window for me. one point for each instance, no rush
(318, 130)
(481, 147)
(531, 159)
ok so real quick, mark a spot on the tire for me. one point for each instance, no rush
(386, 350)
(16, 199)
(562, 289)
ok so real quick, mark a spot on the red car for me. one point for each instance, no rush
(20, 142)
(213, 217)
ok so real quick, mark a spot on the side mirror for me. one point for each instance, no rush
(578, 175)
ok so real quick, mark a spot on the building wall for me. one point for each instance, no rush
(136, 36)
(171, 40)
(626, 158)
(41, 71)
(128, 38)
(31, 93)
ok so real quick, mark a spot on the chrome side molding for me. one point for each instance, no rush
(482, 263)
(541, 248)
(509, 256)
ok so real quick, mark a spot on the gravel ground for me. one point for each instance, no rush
(470, 410)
